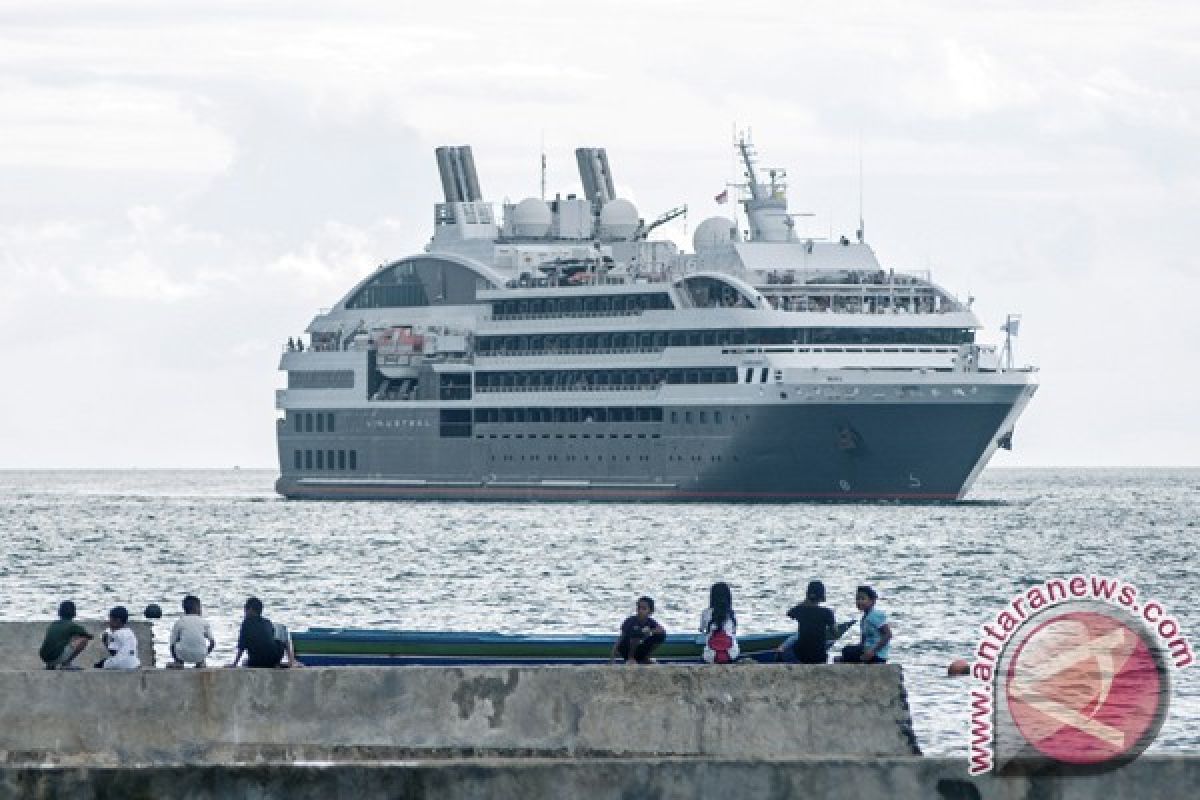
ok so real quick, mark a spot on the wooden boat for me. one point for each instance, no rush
(345, 646)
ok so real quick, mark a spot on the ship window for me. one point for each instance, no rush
(687, 417)
(749, 374)
(320, 423)
(298, 422)
(455, 423)
(297, 459)
(341, 459)
(320, 459)
(308, 423)
(717, 417)
(308, 459)
(329, 459)
(762, 378)
(353, 459)
(329, 422)
(674, 417)
(703, 417)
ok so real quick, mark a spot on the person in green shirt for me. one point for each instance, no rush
(65, 639)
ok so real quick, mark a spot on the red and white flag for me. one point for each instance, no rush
(723, 197)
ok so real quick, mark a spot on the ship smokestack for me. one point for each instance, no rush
(460, 183)
(596, 175)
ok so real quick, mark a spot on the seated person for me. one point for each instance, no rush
(65, 639)
(875, 633)
(191, 638)
(264, 643)
(120, 641)
(718, 626)
(815, 628)
(640, 635)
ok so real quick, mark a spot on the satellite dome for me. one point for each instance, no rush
(712, 233)
(619, 219)
(532, 217)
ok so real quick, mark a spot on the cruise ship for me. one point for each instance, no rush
(562, 352)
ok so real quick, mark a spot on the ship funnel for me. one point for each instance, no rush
(596, 175)
(459, 181)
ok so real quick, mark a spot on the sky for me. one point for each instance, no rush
(183, 185)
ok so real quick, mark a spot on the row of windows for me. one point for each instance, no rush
(572, 457)
(567, 436)
(599, 458)
(455, 424)
(553, 379)
(312, 421)
(339, 460)
(454, 386)
(620, 414)
(320, 379)
(702, 417)
(618, 303)
(396, 287)
(657, 340)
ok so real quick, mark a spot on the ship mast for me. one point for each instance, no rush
(766, 207)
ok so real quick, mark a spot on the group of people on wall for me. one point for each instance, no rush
(816, 630)
(263, 643)
(268, 645)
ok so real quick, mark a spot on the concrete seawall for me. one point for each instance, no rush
(229, 716)
(609, 733)
(830, 778)
(21, 641)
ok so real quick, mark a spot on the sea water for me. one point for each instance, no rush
(105, 538)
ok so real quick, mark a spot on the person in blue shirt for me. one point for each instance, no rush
(875, 632)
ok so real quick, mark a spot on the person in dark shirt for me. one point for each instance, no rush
(640, 635)
(65, 639)
(815, 628)
(261, 641)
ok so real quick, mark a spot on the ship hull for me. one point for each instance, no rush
(915, 452)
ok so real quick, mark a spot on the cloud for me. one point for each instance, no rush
(105, 125)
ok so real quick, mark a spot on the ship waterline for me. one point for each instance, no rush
(565, 356)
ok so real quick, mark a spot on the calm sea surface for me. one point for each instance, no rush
(135, 537)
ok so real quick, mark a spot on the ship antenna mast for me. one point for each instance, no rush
(543, 166)
(746, 149)
(862, 228)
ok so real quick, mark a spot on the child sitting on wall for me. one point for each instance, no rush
(875, 634)
(120, 641)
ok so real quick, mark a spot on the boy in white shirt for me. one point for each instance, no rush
(191, 638)
(120, 641)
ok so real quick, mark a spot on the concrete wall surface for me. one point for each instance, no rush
(225, 715)
(1149, 778)
(21, 640)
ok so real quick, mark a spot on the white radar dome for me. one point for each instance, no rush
(619, 219)
(532, 217)
(713, 232)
